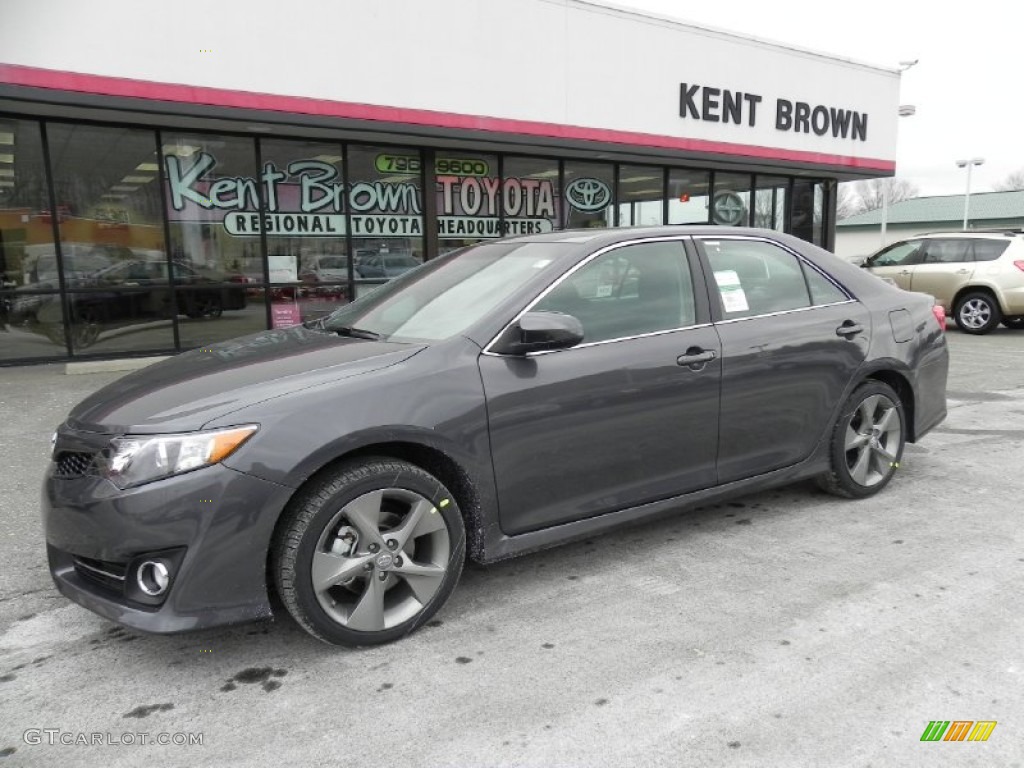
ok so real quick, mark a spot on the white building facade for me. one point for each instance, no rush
(228, 167)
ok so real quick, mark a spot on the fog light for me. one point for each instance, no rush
(153, 577)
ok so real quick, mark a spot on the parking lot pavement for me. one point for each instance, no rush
(785, 628)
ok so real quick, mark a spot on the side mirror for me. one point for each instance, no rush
(540, 332)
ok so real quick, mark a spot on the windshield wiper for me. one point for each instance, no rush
(355, 333)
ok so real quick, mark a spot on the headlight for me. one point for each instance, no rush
(131, 461)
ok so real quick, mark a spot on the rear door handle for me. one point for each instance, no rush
(849, 328)
(696, 358)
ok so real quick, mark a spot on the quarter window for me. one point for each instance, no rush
(988, 250)
(822, 290)
(636, 289)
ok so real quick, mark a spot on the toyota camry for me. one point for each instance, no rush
(497, 400)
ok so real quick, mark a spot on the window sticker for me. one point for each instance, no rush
(733, 297)
(603, 291)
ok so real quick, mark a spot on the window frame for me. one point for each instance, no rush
(718, 316)
(702, 311)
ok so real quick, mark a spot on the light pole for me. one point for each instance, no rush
(905, 110)
(969, 164)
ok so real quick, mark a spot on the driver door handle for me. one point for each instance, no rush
(696, 358)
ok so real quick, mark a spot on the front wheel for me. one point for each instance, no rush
(867, 442)
(977, 313)
(369, 552)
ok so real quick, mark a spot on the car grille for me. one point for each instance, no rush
(102, 573)
(74, 464)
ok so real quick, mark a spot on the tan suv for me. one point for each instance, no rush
(978, 277)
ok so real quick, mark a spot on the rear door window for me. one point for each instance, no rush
(756, 278)
(952, 251)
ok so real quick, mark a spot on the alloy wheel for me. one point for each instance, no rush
(380, 560)
(873, 439)
(975, 313)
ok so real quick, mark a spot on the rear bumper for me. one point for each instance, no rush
(219, 521)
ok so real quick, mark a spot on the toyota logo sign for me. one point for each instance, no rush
(588, 195)
(728, 209)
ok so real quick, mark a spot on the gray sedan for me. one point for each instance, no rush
(504, 398)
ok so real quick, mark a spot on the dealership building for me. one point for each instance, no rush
(217, 169)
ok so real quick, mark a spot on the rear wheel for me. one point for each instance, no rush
(369, 552)
(867, 442)
(977, 312)
(1015, 323)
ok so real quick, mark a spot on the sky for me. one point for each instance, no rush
(966, 87)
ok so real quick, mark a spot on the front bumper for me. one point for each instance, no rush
(220, 519)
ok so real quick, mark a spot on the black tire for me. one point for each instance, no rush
(1014, 323)
(882, 448)
(318, 512)
(205, 307)
(977, 312)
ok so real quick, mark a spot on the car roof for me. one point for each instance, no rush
(973, 234)
(610, 235)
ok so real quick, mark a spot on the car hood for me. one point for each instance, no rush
(188, 391)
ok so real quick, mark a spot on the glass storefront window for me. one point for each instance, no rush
(808, 210)
(386, 204)
(110, 214)
(530, 196)
(730, 205)
(588, 195)
(242, 310)
(28, 260)
(213, 205)
(688, 201)
(308, 252)
(468, 199)
(770, 202)
(640, 196)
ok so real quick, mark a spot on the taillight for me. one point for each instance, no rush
(1019, 265)
(940, 315)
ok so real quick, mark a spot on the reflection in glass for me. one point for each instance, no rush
(386, 211)
(213, 193)
(808, 210)
(239, 310)
(640, 196)
(688, 201)
(770, 202)
(118, 321)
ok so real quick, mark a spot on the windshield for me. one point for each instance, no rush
(446, 296)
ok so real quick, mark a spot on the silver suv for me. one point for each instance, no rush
(977, 277)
